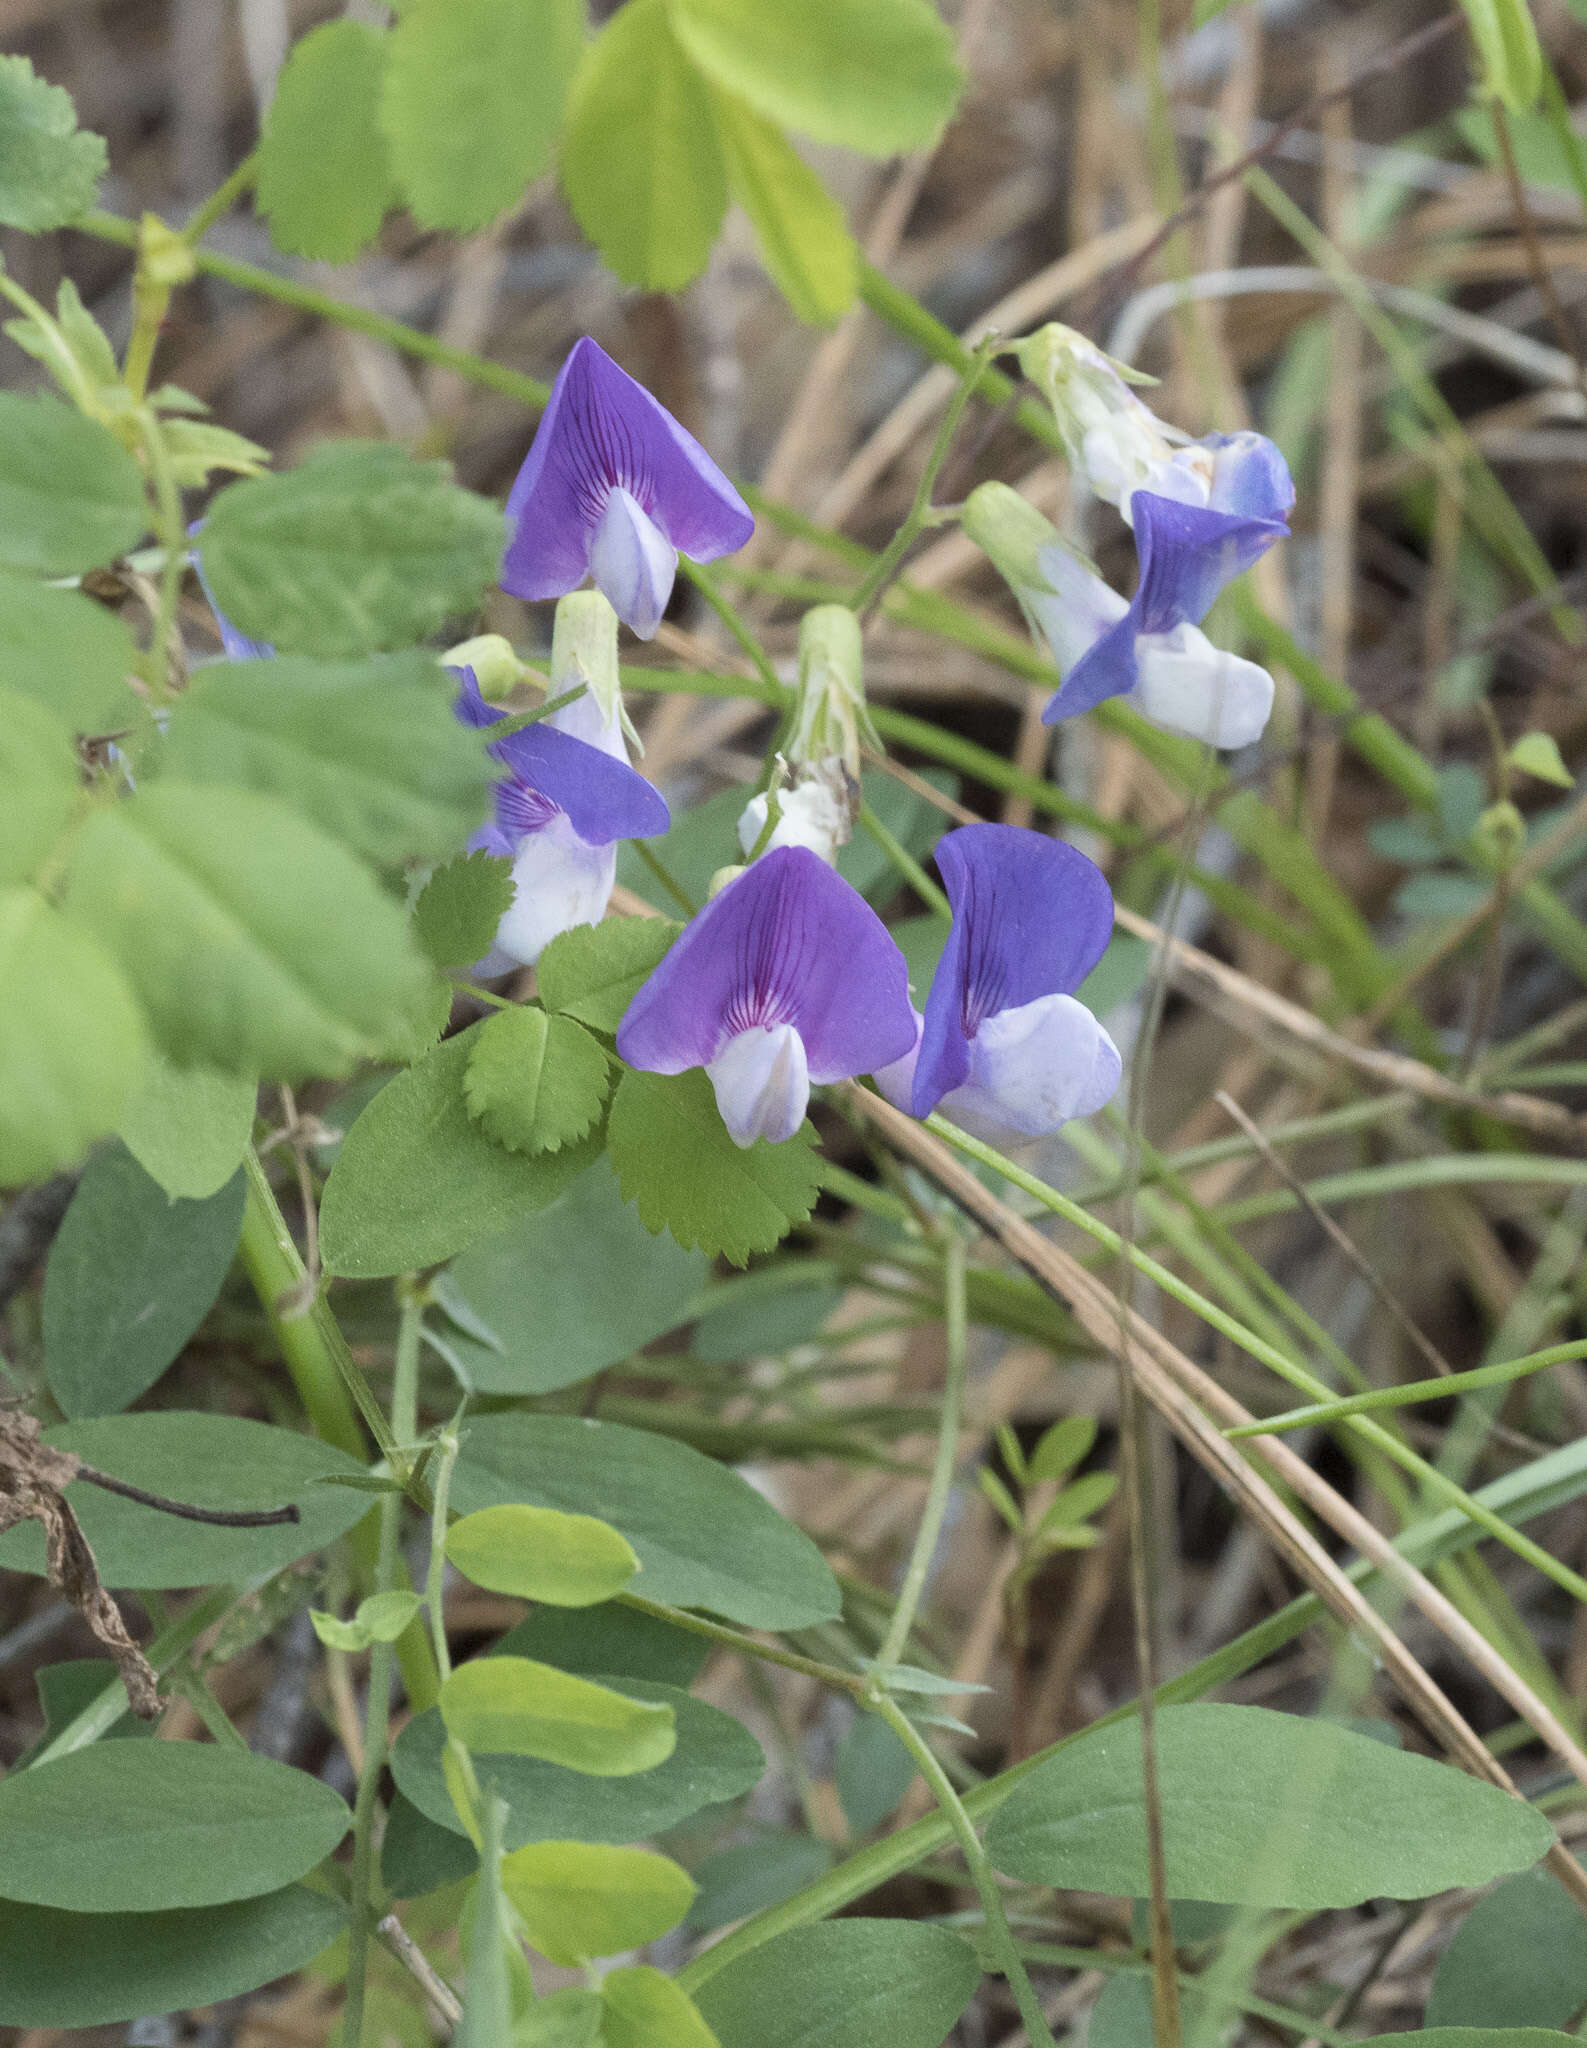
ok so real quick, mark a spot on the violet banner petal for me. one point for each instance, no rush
(1249, 477)
(788, 942)
(469, 704)
(604, 799)
(1031, 918)
(1188, 553)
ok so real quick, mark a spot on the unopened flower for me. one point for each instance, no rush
(614, 488)
(561, 805)
(820, 802)
(785, 978)
(1003, 1042)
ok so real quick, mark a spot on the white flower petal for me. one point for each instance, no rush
(897, 1079)
(1075, 609)
(633, 563)
(559, 881)
(811, 816)
(1035, 1067)
(1190, 686)
(762, 1083)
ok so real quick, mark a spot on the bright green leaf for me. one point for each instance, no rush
(703, 1535)
(584, 1899)
(644, 2009)
(197, 447)
(844, 1984)
(569, 2018)
(40, 780)
(71, 497)
(368, 749)
(473, 102)
(73, 1969)
(131, 1275)
(359, 548)
(641, 165)
(804, 240)
(1537, 753)
(336, 1634)
(535, 1083)
(1508, 52)
(518, 1707)
(1477, 2037)
(873, 75)
(68, 652)
(416, 1179)
(1261, 1808)
(72, 1039)
(257, 944)
(325, 177)
(135, 1826)
(594, 971)
(460, 907)
(1062, 1446)
(188, 1127)
(49, 167)
(1091, 1492)
(542, 1554)
(384, 1616)
(676, 1162)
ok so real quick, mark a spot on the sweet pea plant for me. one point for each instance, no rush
(386, 1018)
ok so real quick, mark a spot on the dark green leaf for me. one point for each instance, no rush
(188, 1127)
(257, 944)
(368, 749)
(144, 1826)
(1476, 2037)
(704, 1536)
(325, 178)
(543, 1289)
(72, 1039)
(594, 971)
(873, 1772)
(212, 1461)
(416, 1179)
(844, 1984)
(872, 75)
(71, 497)
(1261, 1808)
(460, 907)
(761, 1321)
(130, 1278)
(417, 1855)
(1517, 1959)
(359, 548)
(49, 167)
(473, 102)
(715, 1759)
(535, 1083)
(598, 1640)
(38, 773)
(675, 1161)
(68, 652)
(750, 1876)
(804, 240)
(72, 1969)
(654, 204)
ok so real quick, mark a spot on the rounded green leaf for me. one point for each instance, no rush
(541, 1554)
(715, 1759)
(1264, 1809)
(138, 1826)
(473, 102)
(72, 1039)
(594, 971)
(644, 2009)
(874, 75)
(325, 177)
(844, 1984)
(584, 1899)
(368, 749)
(535, 1083)
(542, 1290)
(257, 944)
(212, 1461)
(460, 907)
(130, 1277)
(49, 167)
(357, 549)
(416, 1179)
(72, 1969)
(641, 165)
(804, 240)
(71, 497)
(68, 652)
(188, 1127)
(1517, 1957)
(39, 775)
(517, 1707)
(704, 1536)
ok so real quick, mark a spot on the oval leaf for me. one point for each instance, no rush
(38, 772)
(324, 171)
(1517, 1957)
(804, 240)
(71, 497)
(49, 168)
(644, 2009)
(68, 652)
(139, 1826)
(516, 1706)
(541, 1554)
(584, 1899)
(188, 1127)
(844, 1984)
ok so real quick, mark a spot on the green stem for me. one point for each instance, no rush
(954, 1316)
(222, 199)
(377, 1719)
(840, 1680)
(902, 859)
(743, 638)
(1499, 1375)
(1000, 1944)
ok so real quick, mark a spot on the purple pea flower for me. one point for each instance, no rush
(786, 977)
(613, 488)
(1003, 1042)
(560, 808)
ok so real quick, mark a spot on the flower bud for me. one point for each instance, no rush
(1112, 438)
(1501, 835)
(720, 880)
(497, 670)
(830, 718)
(584, 651)
(1012, 532)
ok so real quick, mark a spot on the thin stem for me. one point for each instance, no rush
(902, 859)
(743, 638)
(882, 570)
(377, 1717)
(854, 1682)
(1001, 1947)
(1403, 1396)
(435, 1581)
(663, 875)
(954, 1318)
(222, 199)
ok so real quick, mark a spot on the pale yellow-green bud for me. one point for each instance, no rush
(584, 652)
(1112, 439)
(497, 670)
(720, 880)
(830, 718)
(164, 258)
(1501, 835)
(1011, 531)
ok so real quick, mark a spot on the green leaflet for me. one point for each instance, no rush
(845, 1984)
(38, 773)
(583, 1899)
(535, 1083)
(325, 178)
(49, 167)
(70, 653)
(71, 497)
(804, 240)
